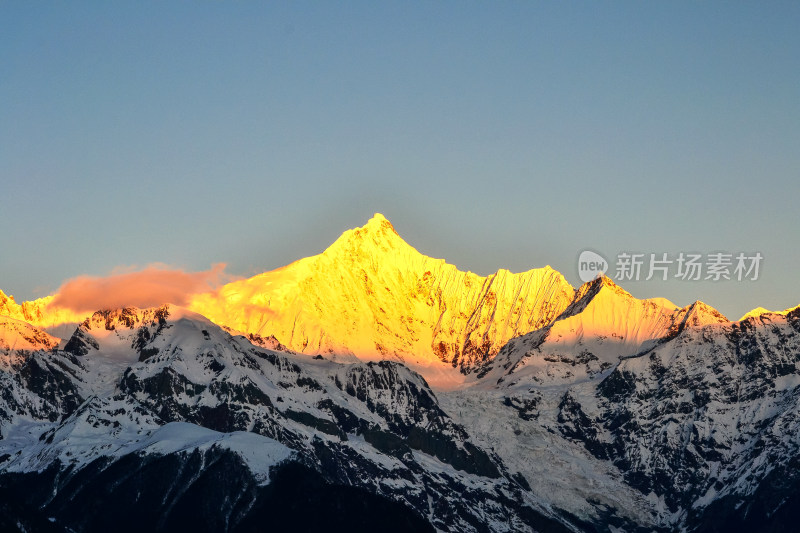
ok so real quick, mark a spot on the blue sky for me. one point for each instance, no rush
(494, 135)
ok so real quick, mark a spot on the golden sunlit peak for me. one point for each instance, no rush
(377, 234)
(379, 222)
(6, 298)
(598, 283)
(758, 311)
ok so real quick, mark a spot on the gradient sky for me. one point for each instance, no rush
(495, 135)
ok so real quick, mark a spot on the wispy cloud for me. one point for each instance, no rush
(154, 285)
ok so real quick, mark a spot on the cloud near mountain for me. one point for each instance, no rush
(152, 286)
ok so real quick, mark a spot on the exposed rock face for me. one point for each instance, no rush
(621, 413)
(373, 295)
(160, 406)
(702, 422)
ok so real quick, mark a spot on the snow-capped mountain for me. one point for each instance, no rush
(758, 311)
(168, 395)
(40, 313)
(16, 335)
(602, 325)
(293, 399)
(691, 427)
(373, 295)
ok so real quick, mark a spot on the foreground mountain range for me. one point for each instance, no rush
(301, 399)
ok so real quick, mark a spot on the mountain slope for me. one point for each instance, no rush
(603, 325)
(620, 414)
(39, 312)
(694, 431)
(18, 335)
(163, 404)
(372, 295)
(702, 422)
(758, 311)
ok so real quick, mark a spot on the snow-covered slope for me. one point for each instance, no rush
(697, 431)
(18, 335)
(373, 295)
(136, 388)
(603, 325)
(704, 422)
(758, 311)
(621, 414)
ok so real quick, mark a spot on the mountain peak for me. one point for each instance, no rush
(590, 290)
(371, 295)
(377, 218)
(758, 311)
(7, 303)
(376, 237)
(379, 224)
(700, 313)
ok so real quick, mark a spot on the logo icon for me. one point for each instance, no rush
(591, 265)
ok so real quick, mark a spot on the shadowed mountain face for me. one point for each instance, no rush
(160, 417)
(160, 407)
(696, 430)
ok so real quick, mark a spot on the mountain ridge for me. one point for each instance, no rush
(373, 295)
(165, 386)
(152, 399)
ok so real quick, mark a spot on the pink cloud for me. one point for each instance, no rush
(153, 286)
